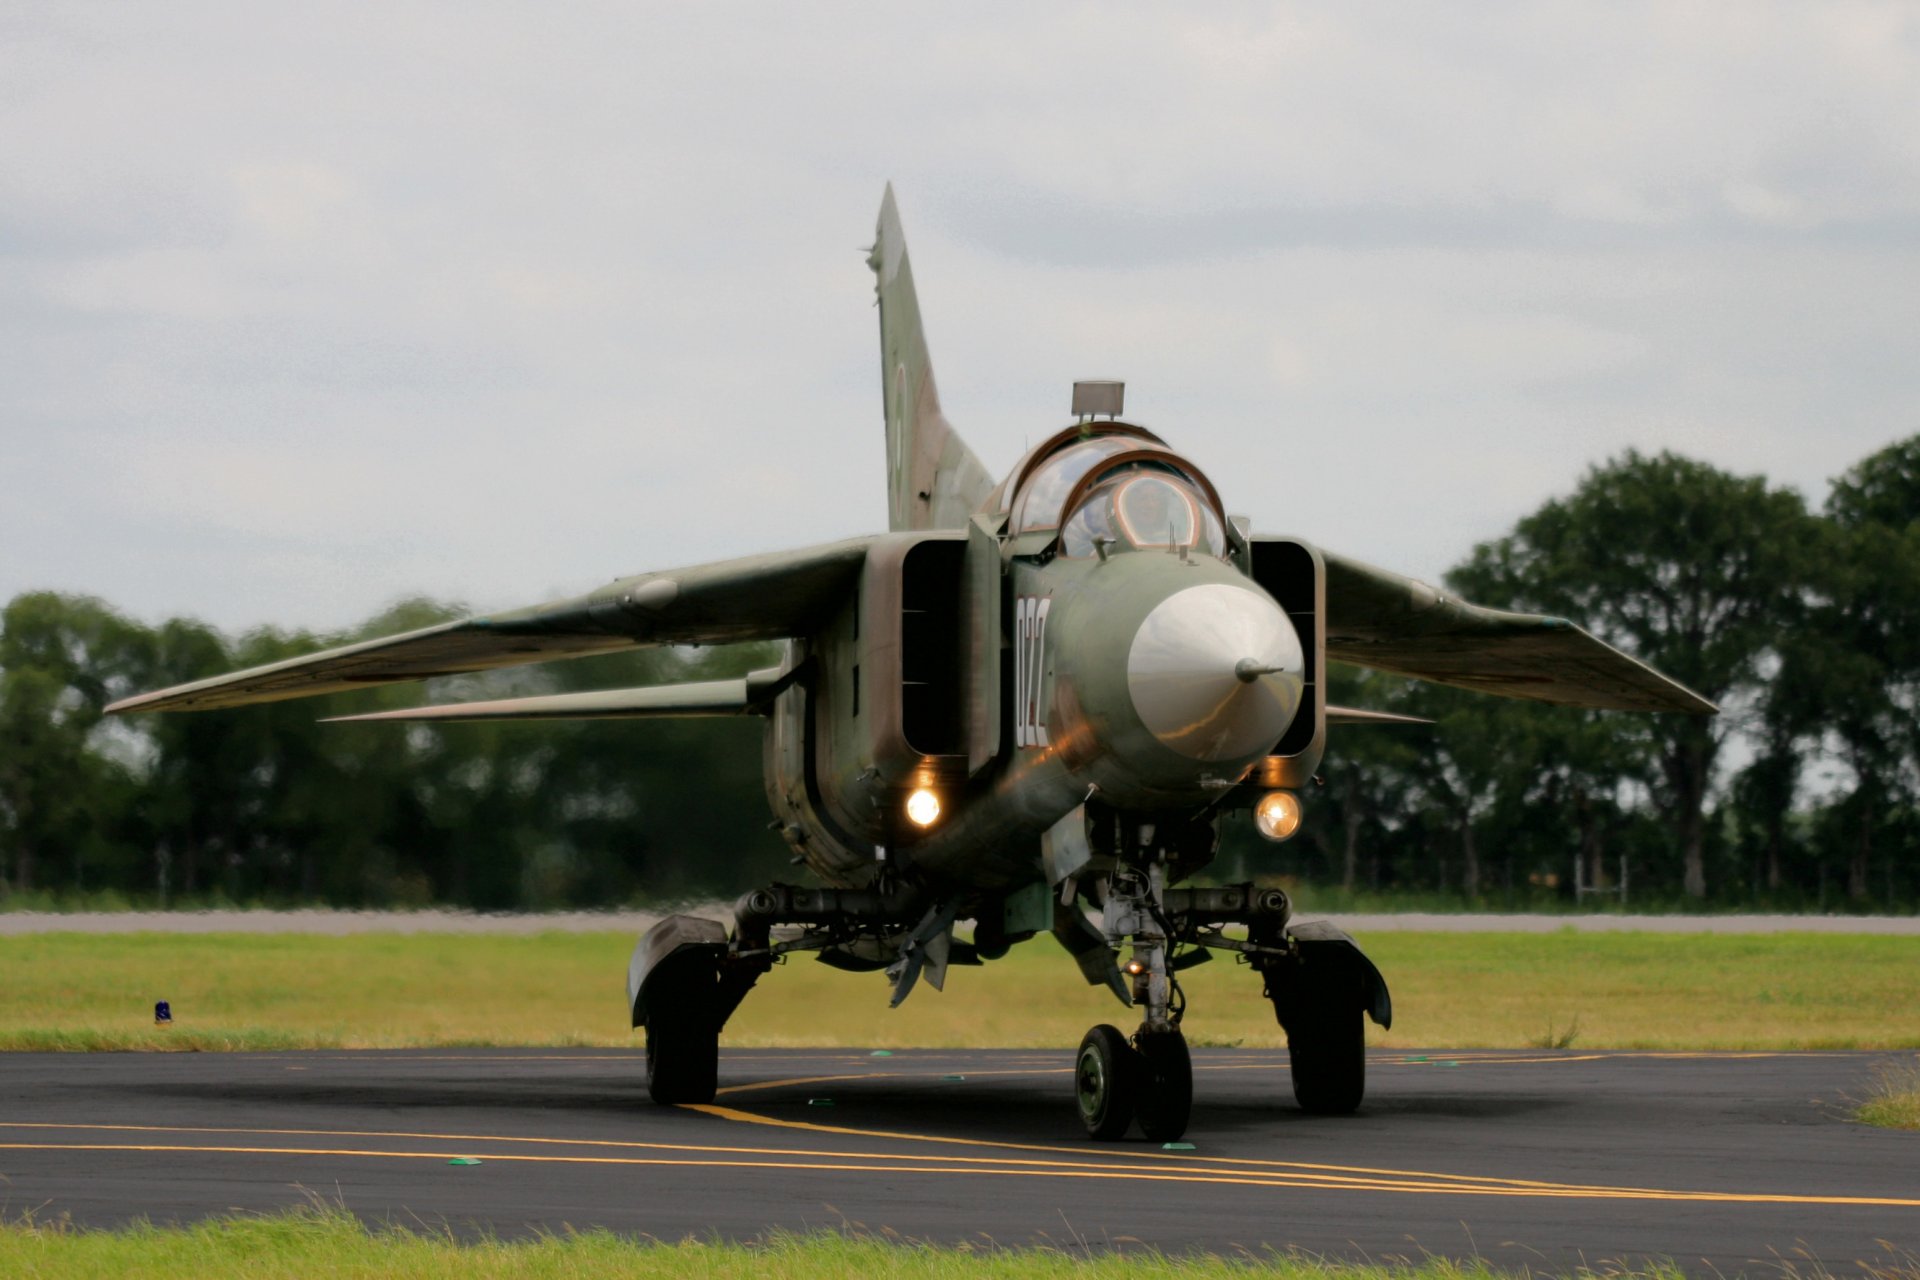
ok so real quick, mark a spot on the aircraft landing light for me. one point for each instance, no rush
(923, 807)
(1278, 815)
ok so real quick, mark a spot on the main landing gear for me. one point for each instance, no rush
(687, 975)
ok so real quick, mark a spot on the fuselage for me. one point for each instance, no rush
(1094, 638)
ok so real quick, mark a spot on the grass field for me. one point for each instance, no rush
(252, 991)
(319, 1242)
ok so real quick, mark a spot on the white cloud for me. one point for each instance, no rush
(299, 313)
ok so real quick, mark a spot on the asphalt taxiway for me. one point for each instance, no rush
(1734, 1162)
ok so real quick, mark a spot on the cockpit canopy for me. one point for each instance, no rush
(1143, 504)
(1127, 491)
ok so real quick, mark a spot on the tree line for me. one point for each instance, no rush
(267, 804)
(1802, 624)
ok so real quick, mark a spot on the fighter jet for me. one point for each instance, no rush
(1029, 705)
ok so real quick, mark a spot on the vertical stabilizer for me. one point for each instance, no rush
(933, 479)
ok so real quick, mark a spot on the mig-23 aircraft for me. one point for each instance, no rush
(1029, 705)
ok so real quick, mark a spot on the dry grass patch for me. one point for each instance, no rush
(1589, 991)
(1894, 1101)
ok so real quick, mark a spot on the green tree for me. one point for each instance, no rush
(63, 791)
(1476, 752)
(1865, 661)
(1367, 770)
(1687, 567)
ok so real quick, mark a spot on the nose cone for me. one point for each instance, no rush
(1216, 672)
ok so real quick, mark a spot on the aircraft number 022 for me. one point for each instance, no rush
(1029, 669)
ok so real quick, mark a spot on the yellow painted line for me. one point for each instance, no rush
(1062, 1068)
(1433, 1059)
(818, 1162)
(1083, 1156)
(1275, 1168)
(1282, 1172)
(1102, 1174)
(796, 1081)
(817, 1165)
(401, 1135)
(1383, 1058)
(1084, 1159)
(1353, 1177)
(1491, 1185)
(956, 1164)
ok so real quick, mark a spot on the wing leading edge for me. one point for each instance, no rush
(1403, 626)
(764, 597)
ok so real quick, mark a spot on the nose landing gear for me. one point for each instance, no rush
(1321, 985)
(1149, 1079)
(1166, 1096)
(1106, 1083)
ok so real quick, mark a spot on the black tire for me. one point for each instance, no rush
(1327, 1052)
(683, 1061)
(683, 1033)
(1166, 1089)
(1106, 1080)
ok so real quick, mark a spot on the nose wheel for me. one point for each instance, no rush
(1149, 1079)
(1106, 1083)
(1166, 1096)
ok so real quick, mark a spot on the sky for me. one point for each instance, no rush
(305, 309)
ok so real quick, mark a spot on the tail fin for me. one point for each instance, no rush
(933, 479)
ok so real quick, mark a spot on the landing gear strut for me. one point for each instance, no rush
(1151, 1076)
(687, 975)
(1322, 987)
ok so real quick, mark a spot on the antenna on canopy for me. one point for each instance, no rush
(1098, 396)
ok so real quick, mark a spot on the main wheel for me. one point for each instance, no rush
(1106, 1083)
(1327, 1050)
(1166, 1090)
(683, 1032)
(683, 1059)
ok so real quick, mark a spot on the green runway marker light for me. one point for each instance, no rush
(953, 1077)
(1449, 1064)
(819, 1102)
(1176, 1146)
(881, 1053)
(1418, 1057)
(463, 1160)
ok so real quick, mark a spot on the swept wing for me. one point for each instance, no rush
(1397, 624)
(754, 598)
